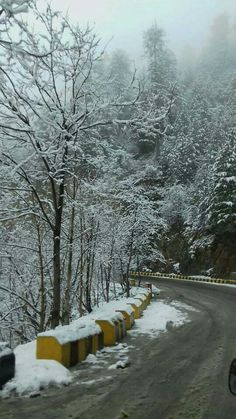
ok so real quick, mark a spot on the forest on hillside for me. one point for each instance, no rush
(106, 168)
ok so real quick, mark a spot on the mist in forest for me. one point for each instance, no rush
(186, 22)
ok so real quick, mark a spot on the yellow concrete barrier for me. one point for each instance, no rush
(122, 328)
(129, 317)
(174, 276)
(144, 293)
(148, 295)
(69, 344)
(110, 331)
(70, 353)
(149, 289)
(48, 347)
(144, 298)
(93, 344)
(143, 301)
(100, 340)
(82, 353)
(89, 345)
(147, 301)
(136, 305)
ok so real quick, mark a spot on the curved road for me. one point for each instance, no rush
(182, 374)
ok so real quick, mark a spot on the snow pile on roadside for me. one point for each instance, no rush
(138, 290)
(110, 311)
(121, 364)
(155, 290)
(182, 306)
(156, 318)
(142, 290)
(4, 350)
(78, 329)
(119, 348)
(32, 375)
(119, 305)
(91, 359)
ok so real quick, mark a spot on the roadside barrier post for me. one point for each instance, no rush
(7, 364)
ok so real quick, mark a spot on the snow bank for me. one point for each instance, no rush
(105, 312)
(156, 318)
(91, 359)
(78, 329)
(122, 363)
(119, 305)
(4, 349)
(155, 290)
(136, 291)
(136, 301)
(33, 375)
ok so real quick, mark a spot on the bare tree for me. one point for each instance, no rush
(52, 113)
(48, 106)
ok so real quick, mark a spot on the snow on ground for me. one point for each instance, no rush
(157, 317)
(180, 305)
(121, 364)
(78, 329)
(120, 352)
(95, 381)
(226, 285)
(137, 290)
(32, 374)
(155, 290)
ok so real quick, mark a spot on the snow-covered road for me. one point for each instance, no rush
(182, 373)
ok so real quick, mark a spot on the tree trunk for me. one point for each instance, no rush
(138, 270)
(67, 302)
(42, 286)
(56, 307)
(81, 267)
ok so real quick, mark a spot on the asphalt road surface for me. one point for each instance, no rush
(181, 374)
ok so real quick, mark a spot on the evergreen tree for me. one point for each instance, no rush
(161, 61)
(119, 72)
(221, 210)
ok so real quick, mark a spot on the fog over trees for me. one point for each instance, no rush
(106, 168)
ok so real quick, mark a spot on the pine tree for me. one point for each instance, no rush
(161, 61)
(221, 210)
(119, 72)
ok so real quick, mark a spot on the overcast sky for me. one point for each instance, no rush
(184, 21)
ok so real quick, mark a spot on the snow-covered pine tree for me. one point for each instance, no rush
(161, 62)
(221, 210)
